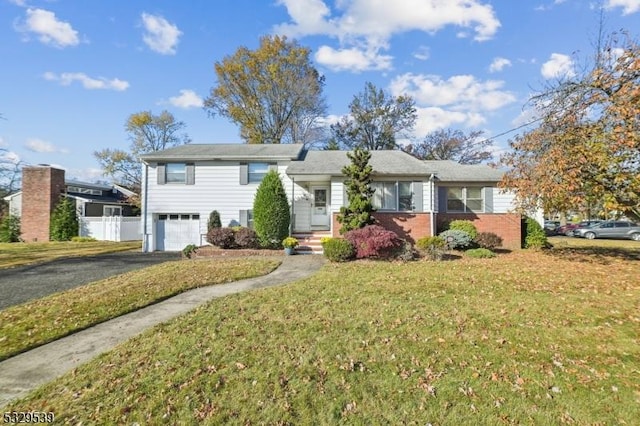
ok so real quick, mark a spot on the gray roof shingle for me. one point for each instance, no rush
(235, 151)
(391, 163)
(450, 171)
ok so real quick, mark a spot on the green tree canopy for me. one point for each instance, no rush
(454, 145)
(588, 144)
(375, 120)
(147, 133)
(273, 93)
(359, 192)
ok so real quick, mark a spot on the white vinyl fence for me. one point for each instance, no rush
(111, 228)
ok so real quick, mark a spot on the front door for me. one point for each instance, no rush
(320, 209)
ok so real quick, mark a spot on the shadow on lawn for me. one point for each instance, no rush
(601, 255)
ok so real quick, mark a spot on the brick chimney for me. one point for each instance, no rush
(41, 189)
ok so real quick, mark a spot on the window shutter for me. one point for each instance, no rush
(442, 199)
(162, 178)
(244, 173)
(191, 174)
(488, 199)
(418, 201)
(244, 218)
(273, 166)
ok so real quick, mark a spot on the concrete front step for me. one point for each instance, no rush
(310, 242)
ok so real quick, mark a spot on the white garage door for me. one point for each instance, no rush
(176, 231)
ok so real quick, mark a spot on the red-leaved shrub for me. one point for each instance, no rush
(246, 238)
(221, 237)
(373, 241)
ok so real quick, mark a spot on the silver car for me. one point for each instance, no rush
(610, 229)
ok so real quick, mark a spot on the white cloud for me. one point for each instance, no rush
(42, 146)
(21, 3)
(558, 66)
(352, 59)
(460, 92)
(160, 35)
(187, 99)
(369, 25)
(499, 64)
(628, 6)
(381, 19)
(3, 144)
(423, 53)
(49, 29)
(458, 100)
(87, 82)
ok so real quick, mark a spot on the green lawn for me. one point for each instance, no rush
(38, 322)
(18, 254)
(525, 338)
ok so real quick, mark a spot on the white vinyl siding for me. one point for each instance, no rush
(216, 187)
(338, 197)
(503, 202)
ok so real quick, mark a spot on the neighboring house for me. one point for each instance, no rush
(182, 185)
(43, 185)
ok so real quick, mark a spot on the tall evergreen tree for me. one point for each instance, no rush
(359, 192)
(64, 221)
(271, 214)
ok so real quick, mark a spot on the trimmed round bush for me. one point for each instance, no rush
(373, 241)
(221, 237)
(480, 253)
(488, 240)
(466, 226)
(432, 248)
(535, 237)
(245, 238)
(427, 243)
(456, 239)
(338, 250)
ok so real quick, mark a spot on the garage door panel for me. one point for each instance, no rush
(175, 231)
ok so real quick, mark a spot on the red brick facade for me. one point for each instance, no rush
(506, 225)
(41, 189)
(412, 226)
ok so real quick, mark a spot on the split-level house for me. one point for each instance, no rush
(414, 198)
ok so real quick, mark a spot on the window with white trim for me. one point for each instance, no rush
(176, 173)
(112, 211)
(257, 172)
(392, 196)
(465, 199)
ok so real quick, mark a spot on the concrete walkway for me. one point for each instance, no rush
(25, 372)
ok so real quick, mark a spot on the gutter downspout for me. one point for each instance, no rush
(433, 204)
(145, 242)
(293, 189)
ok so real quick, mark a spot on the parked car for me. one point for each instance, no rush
(570, 227)
(610, 229)
(550, 226)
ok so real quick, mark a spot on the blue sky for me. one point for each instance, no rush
(73, 71)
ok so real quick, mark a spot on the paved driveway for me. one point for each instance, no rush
(24, 283)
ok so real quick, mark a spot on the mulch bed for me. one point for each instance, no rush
(211, 251)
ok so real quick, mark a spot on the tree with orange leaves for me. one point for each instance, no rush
(587, 146)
